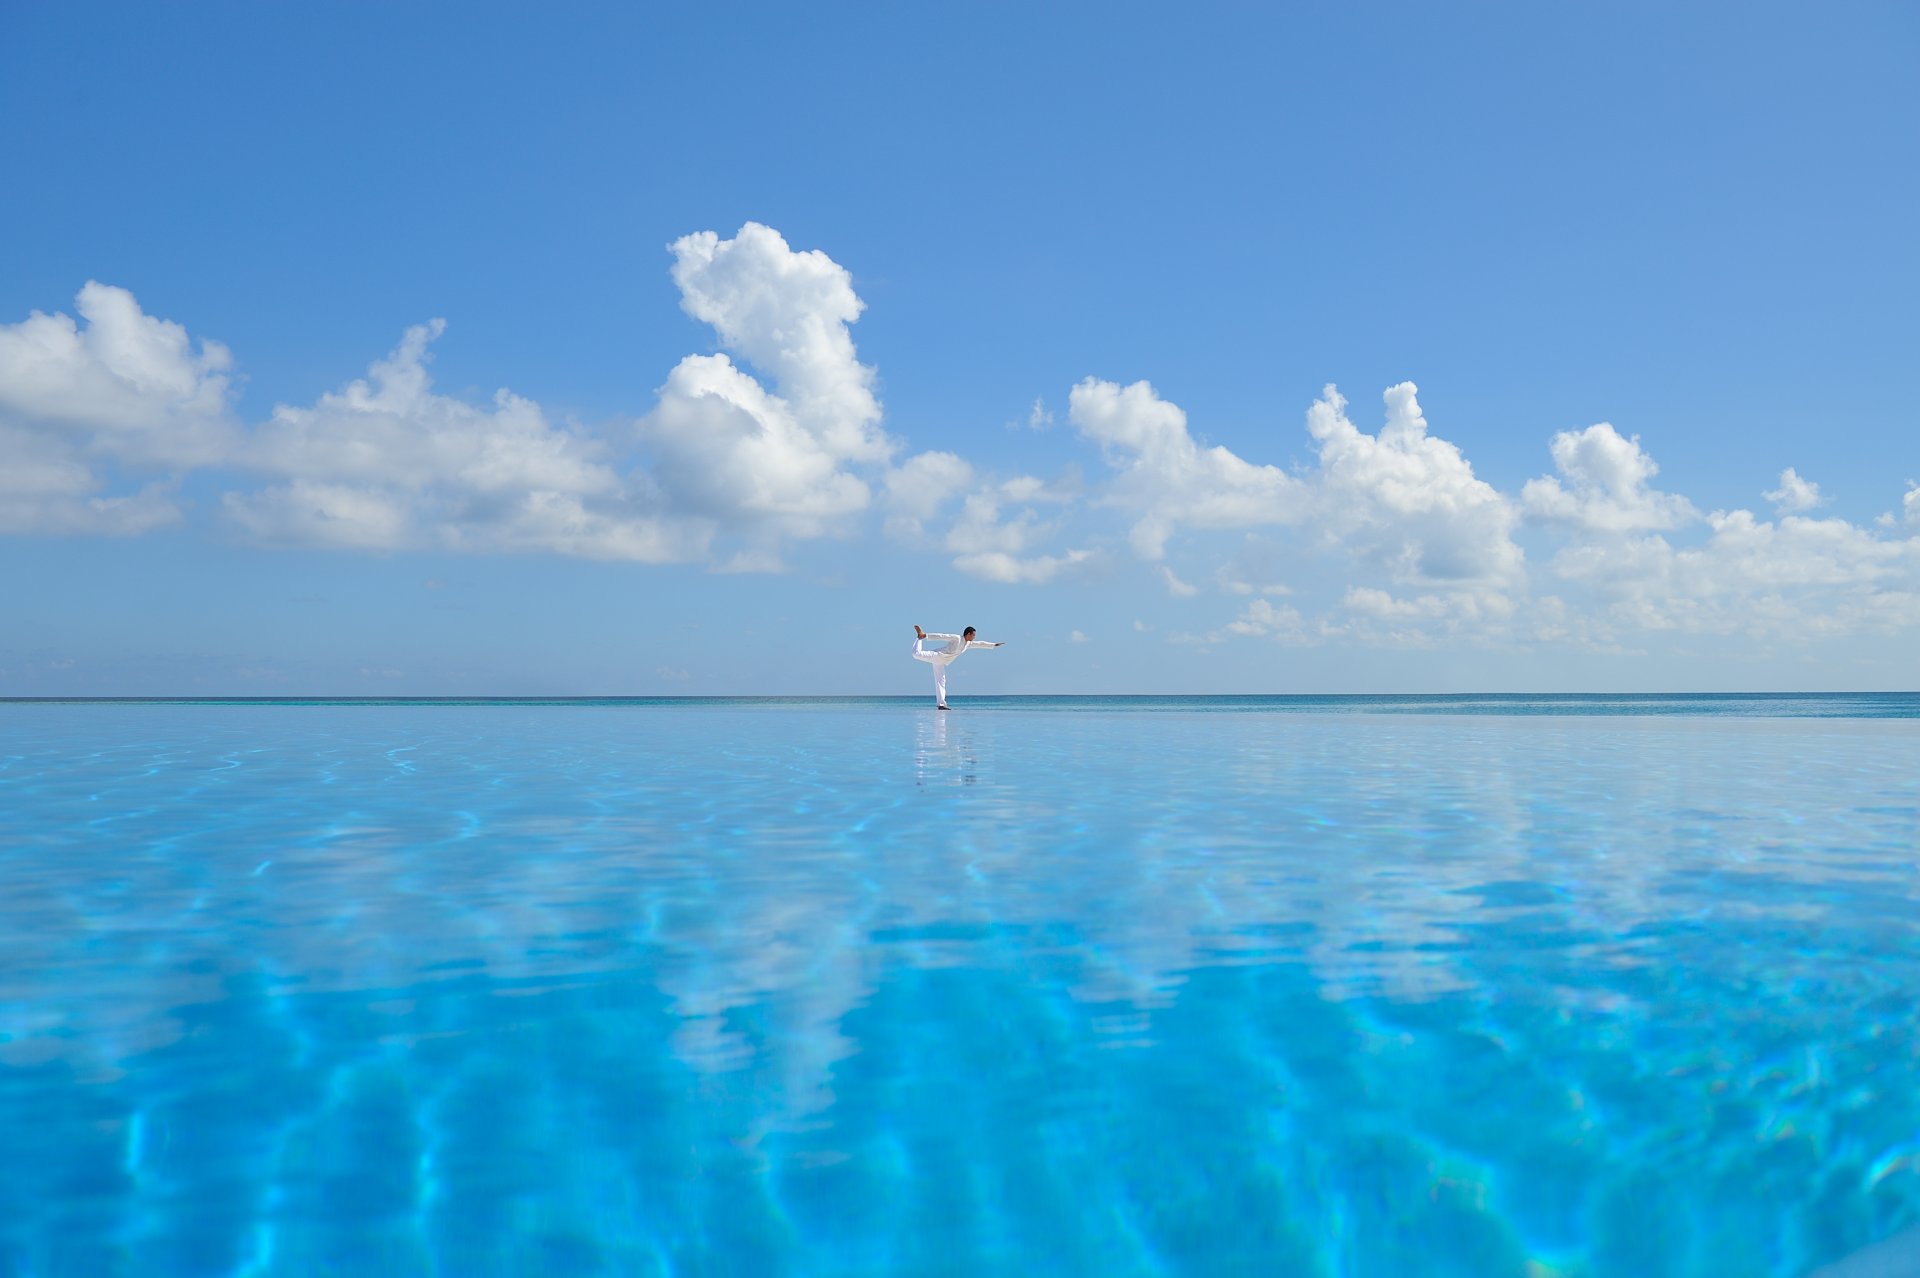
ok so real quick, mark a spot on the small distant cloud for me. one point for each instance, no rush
(750, 561)
(1794, 493)
(1235, 586)
(1039, 417)
(1076, 637)
(1256, 567)
(1034, 488)
(434, 583)
(673, 674)
(1176, 587)
(998, 566)
(374, 673)
(1141, 626)
(1260, 619)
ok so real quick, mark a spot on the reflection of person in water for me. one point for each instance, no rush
(950, 647)
(941, 760)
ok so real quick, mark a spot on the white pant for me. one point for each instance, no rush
(939, 664)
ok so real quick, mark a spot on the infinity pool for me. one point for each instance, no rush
(857, 988)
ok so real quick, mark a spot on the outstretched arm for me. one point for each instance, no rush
(982, 643)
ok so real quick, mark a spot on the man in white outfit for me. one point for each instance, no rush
(951, 646)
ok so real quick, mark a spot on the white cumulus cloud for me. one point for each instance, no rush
(995, 548)
(727, 467)
(47, 489)
(787, 314)
(1386, 538)
(1408, 499)
(126, 384)
(386, 463)
(920, 487)
(87, 407)
(723, 469)
(308, 512)
(391, 429)
(1166, 477)
(767, 463)
(1607, 486)
(725, 448)
(1794, 578)
(1402, 503)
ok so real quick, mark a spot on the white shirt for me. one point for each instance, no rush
(951, 647)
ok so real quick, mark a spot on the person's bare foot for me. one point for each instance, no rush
(918, 633)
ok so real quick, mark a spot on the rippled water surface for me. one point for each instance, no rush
(1028, 988)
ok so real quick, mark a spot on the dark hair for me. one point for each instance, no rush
(968, 631)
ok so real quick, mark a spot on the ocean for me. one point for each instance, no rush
(1540, 987)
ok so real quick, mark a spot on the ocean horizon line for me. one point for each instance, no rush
(1810, 704)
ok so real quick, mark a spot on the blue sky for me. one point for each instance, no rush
(1639, 261)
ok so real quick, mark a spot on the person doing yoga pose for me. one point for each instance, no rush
(940, 657)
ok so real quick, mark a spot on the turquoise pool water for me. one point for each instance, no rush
(1536, 988)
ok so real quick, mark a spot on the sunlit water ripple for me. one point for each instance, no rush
(856, 988)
